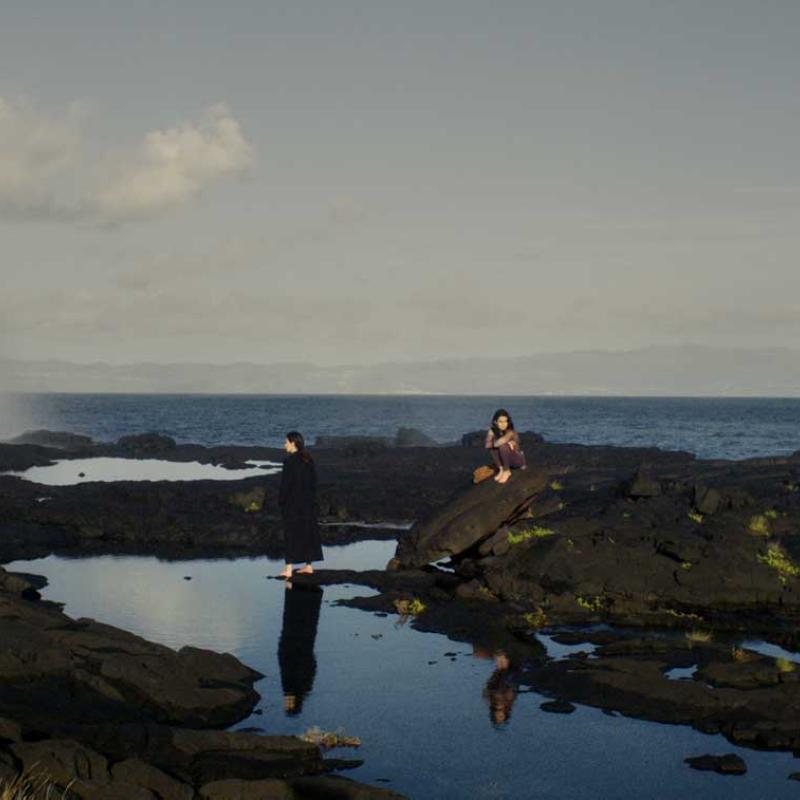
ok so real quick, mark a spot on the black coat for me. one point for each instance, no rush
(298, 503)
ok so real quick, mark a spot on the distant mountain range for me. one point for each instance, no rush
(685, 370)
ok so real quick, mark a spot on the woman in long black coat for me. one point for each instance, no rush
(298, 504)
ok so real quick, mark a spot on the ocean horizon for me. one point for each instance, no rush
(709, 427)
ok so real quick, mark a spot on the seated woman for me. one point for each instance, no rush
(503, 442)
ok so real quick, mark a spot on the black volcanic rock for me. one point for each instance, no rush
(147, 444)
(729, 764)
(59, 440)
(99, 712)
(354, 445)
(474, 515)
(411, 437)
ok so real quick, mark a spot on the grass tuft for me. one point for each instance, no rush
(777, 558)
(413, 607)
(327, 740)
(785, 665)
(28, 787)
(699, 637)
(536, 532)
(590, 603)
(536, 619)
(759, 525)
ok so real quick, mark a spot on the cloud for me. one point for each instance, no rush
(37, 149)
(174, 165)
(44, 172)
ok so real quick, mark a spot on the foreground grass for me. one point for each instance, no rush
(27, 788)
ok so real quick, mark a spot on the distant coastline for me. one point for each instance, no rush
(682, 371)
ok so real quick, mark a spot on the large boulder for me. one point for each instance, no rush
(475, 514)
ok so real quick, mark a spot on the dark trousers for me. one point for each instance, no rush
(506, 458)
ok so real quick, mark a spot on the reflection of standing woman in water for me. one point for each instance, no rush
(298, 503)
(301, 606)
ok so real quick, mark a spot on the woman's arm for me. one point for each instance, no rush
(506, 438)
(287, 476)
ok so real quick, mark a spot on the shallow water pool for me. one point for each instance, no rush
(423, 716)
(70, 472)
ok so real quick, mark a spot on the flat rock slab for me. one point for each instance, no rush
(85, 671)
(729, 764)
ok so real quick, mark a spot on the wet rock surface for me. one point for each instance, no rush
(98, 712)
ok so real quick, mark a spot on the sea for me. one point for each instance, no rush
(732, 428)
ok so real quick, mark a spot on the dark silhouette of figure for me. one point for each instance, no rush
(298, 503)
(301, 605)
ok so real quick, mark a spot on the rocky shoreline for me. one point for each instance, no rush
(97, 712)
(679, 555)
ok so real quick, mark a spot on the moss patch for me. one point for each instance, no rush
(590, 603)
(777, 559)
(536, 619)
(536, 532)
(759, 525)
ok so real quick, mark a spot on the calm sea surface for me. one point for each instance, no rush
(711, 428)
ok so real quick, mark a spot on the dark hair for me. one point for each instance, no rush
(501, 412)
(296, 438)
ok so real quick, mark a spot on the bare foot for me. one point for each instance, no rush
(504, 476)
(286, 574)
(306, 570)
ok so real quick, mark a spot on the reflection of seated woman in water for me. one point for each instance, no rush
(501, 688)
(503, 442)
(298, 665)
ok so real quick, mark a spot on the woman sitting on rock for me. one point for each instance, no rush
(503, 442)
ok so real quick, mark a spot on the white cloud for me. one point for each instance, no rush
(37, 149)
(44, 173)
(174, 165)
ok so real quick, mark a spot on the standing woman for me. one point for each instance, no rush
(503, 442)
(298, 503)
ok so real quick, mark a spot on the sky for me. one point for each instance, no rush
(360, 181)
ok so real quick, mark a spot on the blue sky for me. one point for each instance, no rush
(350, 182)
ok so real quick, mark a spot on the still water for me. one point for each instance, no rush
(422, 716)
(87, 470)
